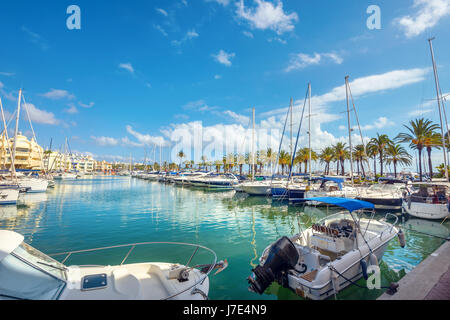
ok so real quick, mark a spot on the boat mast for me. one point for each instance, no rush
(439, 106)
(309, 130)
(16, 130)
(5, 135)
(253, 145)
(290, 110)
(349, 129)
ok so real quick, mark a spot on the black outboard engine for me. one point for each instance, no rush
(282, 256)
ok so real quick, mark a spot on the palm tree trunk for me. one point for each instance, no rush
(395, 169)
(381, 163)
(420, 163)
(375, 165)
(429, 162)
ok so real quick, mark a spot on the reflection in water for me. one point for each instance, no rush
(107, 211)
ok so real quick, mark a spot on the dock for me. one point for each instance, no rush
(430, 280)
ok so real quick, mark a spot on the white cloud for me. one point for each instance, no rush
(224, 57)
(247, 34)
(217, 77)
(419, 112)
(199, 105)
(267, 16)
(72, 109)
(146, 139)
(160, 29)
(244, 120)
(428, 14)
(302, 60)
(40, 116)
(105, 141)
(55, 94)
(162, 11)
(189, 35)
(86, 106)
(127, 66)
(380, 123)
(7, 74)
(222, 2)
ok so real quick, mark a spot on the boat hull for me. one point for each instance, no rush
(384, 203)
(431, 211)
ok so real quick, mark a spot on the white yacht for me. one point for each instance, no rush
(9, 194)
(33, 185)
(26, 273)
(383, 195)
(65, 176)
(317, 262)
(427, 200)
(332, 187)
(215, 181)
(257, 188)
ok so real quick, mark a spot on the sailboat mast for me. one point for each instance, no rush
(349, 129)
(253, 144)
(5, 135)
(290, 108)
(16, 129)
(439, 106)
(309, 130)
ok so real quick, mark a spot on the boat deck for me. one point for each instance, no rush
(430, 280)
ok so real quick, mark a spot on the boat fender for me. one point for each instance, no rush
(364, 269)
(373, 260)
(401, 238)
(334, 281)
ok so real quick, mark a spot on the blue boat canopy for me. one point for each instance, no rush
(349, 204)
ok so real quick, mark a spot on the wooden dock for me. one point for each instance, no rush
(430, 280)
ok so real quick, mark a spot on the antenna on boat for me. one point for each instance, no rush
(253, 145)
(309, 132)
(17, 128)
(438, 91)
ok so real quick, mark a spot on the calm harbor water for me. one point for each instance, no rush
(107, 211)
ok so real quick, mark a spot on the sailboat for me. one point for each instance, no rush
(255, 188)
(30, 184)
(9, 192)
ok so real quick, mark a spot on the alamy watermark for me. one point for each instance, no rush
(73, 22)
(374, 20)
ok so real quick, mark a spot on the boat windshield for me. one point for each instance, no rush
(29, 274)
(41, 260)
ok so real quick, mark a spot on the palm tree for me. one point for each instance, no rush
(204, 159)
(432, 140)
(381, 143)
(303, 157)
(240, 162)
(284, 160)
(218, 164)
(419, 130)
(359, 155)
(326, 156)
(372, 152)
(340, 154)
(396, 154)
(181, 155)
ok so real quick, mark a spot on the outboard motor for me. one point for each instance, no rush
(282, 256)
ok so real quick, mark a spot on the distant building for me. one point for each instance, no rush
(103, 166)
(28, 153)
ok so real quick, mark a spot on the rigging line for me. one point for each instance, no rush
(357, 121)
(279, 148)
(5, 133)
(34, 135)
(298, 136)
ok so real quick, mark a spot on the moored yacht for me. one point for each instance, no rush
(257, 188)
(427, 200)
(383, 195)
(26, 273)
(317, 262)
(331, 187)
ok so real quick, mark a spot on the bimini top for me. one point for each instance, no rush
(349, 204)
(9, 241)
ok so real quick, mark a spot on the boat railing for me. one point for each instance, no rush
(132, 246)
(429, 199)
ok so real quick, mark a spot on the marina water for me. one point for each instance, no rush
(107, 211)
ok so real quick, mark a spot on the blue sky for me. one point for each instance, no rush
(143, 72)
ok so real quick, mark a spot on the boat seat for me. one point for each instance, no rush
(126, 283)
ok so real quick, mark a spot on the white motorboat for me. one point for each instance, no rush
(33, 184)
(383, 195)
(331, 187)
(215, 181)
(317, 262)
(427, 200)
(65, 176)
(9, 194)
(257, 188)
(26, 273)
